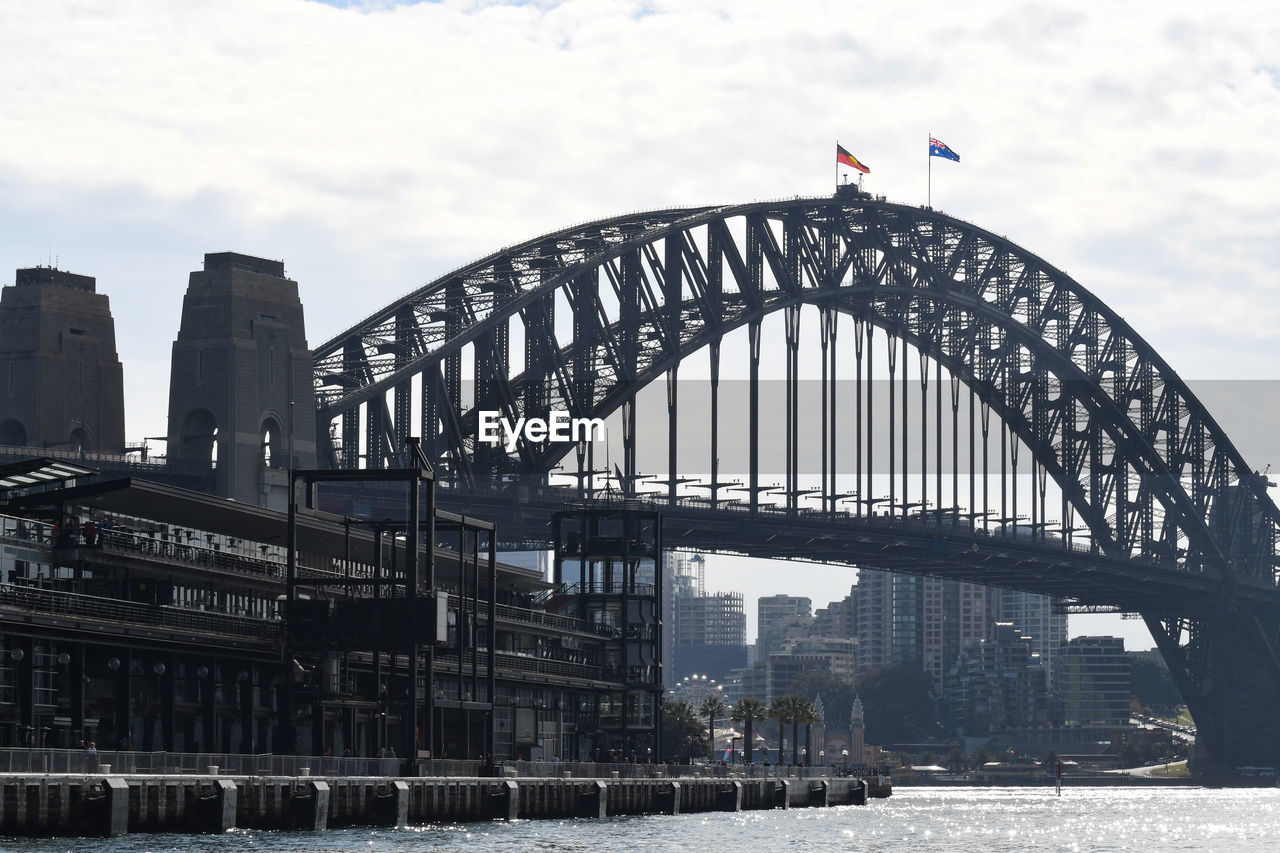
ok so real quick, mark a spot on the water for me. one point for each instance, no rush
(914, 819)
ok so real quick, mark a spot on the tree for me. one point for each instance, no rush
(782, 708)
(981, 757)
(747, 711)
(682, 731)
(796, 710)
(807, 716)
(900, 706)
(1150, 682)
(836, 692)
(956, 759)
(712, 707)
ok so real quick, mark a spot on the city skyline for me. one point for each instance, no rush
(821, 585)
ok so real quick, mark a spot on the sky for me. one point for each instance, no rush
(374, 146)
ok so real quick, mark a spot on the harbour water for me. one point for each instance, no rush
(914, 819)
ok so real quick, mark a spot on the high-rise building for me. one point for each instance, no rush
(891, 619)
(1000, 684)
(1038, 618)
(907, 635)
(905, 619)
(776, 617)
(1094, 682)
(775, 675)
(836, 655)
(682, 576)
(711, 634)
(839, 618)
(874, 608)
(956, 615)
(702, 633)
(714, 619)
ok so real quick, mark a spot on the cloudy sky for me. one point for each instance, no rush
(375, 145)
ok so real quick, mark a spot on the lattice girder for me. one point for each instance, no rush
(1137, 455)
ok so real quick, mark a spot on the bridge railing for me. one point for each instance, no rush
(115, 460)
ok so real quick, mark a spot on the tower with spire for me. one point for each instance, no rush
(857, 732)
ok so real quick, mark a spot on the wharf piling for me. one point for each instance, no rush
(84, 805)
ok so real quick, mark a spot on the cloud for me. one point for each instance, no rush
(1129, 146)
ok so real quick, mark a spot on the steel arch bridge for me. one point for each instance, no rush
(1178, 527)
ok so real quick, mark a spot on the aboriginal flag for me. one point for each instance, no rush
(848, 159)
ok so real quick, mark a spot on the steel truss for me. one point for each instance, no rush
(1135, 455)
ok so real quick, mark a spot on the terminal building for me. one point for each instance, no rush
(213, 602)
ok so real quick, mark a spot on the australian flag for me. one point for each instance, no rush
(938, 148)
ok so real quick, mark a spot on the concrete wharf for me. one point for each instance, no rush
(112, 805)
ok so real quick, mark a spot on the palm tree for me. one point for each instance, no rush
(713, 706)
(747, 711)
(682, 731)
(808, 715)
(785, 709)
(802, 713)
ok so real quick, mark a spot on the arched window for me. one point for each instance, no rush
(13, 433)
(274, 453)
(80, 440)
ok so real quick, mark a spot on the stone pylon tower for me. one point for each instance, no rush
(61, 384)
(240, 393)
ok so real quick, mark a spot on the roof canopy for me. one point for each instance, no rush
(42, 471)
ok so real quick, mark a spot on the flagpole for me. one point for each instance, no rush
(837, 165)
(929, 157)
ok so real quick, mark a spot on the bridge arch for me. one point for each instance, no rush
(603, 309)
(1139, 458)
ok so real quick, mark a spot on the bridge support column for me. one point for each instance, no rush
(1229, 675)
